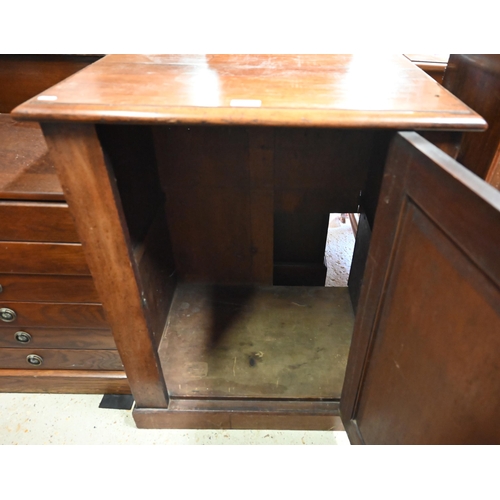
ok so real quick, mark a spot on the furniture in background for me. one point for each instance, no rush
(53, 333)
(433, 64)
(475, 80)
(23, 76)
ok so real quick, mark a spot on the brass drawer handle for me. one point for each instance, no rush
(34, 359)
(23, 337)
(7, 314)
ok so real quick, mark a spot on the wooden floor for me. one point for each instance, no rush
(257, 342)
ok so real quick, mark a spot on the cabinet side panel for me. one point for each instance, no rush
(93, 198)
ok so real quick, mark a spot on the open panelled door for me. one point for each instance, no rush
(424, 364)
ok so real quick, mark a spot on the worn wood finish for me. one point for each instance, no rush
(32, 221)
(64, 381)
(56, 315)
(22, 76)
(257, 342)
(27, 171)
(241, 414)
(93, 198)
(62, 359)
(294, 90)
(475, 79)
(57, 338)
(430, 308)
(47, 288)
(42, 258)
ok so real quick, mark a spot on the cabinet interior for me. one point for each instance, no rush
(228, 226)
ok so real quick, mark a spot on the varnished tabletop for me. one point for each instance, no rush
(358, 91)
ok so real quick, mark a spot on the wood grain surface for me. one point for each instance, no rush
(47, 288)
(62, 359)
(64, 381)
(475, 79)
(27, 171)
(92, 195)
(56, 315)
(42, 258)
(24, 75)
(349, 91)
(35, 221)
(57, 338)
(423, 367)
(219, 177)
(241, 414)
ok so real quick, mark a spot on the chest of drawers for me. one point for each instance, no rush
(54, 336)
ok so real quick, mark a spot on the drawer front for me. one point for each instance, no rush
(60, 359)
(44, 314)
(56, 338)
(47, 288)
(42, 258)
(64, 381)
(32, 221)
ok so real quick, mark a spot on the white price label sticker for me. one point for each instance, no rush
(246, 103)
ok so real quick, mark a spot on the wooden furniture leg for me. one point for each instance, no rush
(92, 195)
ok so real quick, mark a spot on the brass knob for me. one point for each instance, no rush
(34, 359)
(7, 314)
(23, 337)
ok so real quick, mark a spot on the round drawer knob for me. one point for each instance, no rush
(34, 359)
(7, 314)
(23, 337)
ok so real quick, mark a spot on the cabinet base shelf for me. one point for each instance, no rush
(241, 414)
(262, 342)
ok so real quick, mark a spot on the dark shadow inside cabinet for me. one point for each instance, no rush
(227, 225)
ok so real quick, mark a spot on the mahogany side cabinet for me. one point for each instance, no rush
(201, 187)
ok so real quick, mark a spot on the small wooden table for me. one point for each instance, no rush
(201, 186)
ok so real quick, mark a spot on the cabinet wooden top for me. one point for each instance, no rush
(284, 90)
